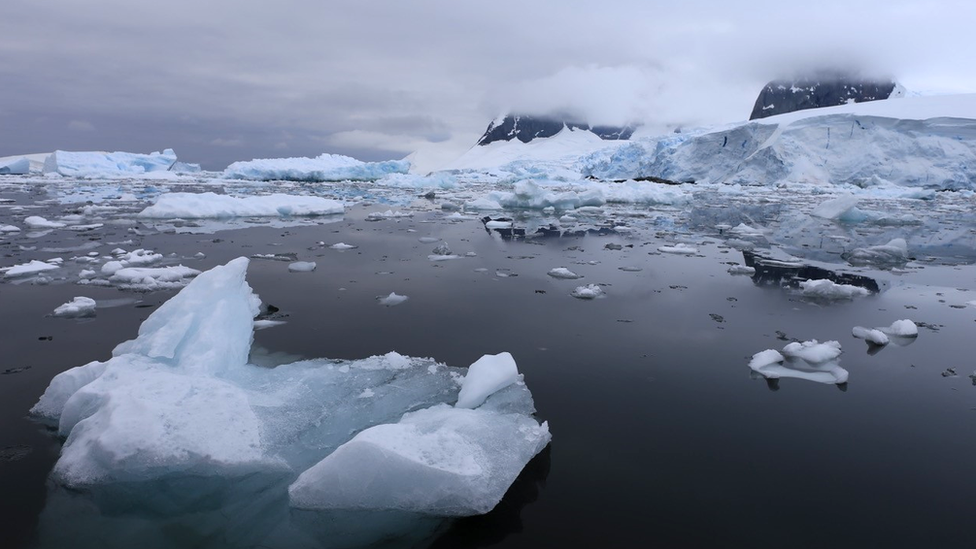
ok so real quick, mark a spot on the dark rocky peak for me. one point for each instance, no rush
(828, 90)
(526, 128)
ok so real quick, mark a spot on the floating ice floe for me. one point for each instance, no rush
(678, 249)
(135, 258)
(108, 164)
(180, 402)
(38, 222)
(442, 253)
(901, 328)
(388, 214)
(392, 299)
(326, 167)
(590, 291)
(871, 335)
(302, 266)
(742, 270)
(343, 246)
(892, 254)
(563, 272)
(150, 278)
(828, 289)
(28, 269)
(78, 307)
(809, 360)
(211, 205)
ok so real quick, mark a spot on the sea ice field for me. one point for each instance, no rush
(483, 359)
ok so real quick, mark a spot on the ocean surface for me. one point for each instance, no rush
(662, 435)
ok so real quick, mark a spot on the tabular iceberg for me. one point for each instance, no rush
(327, 167)
(108, 164)
(181, 400)
(212, 205)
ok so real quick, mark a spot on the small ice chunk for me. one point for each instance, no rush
(680, 249)
(874, 336)
(742, 270)
(498, 225)
(392, 299)
(488, 374)
(38, 222)
(342, 246)
(9, 229)
(301, 266)
(563, 272)
(77, 307)
(828, 289)
(812, 351)
(27, 269)
(428, 239)
(902, 328)
(590, 291)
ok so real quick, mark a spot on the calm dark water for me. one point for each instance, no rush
(661, 435)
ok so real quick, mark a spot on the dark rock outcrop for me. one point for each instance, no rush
(526, 128)
(782, 96)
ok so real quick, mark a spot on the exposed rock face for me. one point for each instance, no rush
(526, 128)
(782, 96)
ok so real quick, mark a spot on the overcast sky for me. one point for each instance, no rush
(225, 80)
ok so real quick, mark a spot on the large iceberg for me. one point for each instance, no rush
(14, 166)
(919, 142)
(327, 167)
(108, 164)
(181, 400)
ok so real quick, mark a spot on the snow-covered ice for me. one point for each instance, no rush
(108, 164)
(38, 222)
(152, 278)
(326, 167)
(589, 291)
(14, 166)
(810, 360)
(181, 401)
(901, 328)
(342, 246)
(563, 272)
(488, 375)
(828, 289)
(678, 249)
(77, 307)
(27, 269)
(302, 266)
(392, 299)
(871, 335)
(212, 205)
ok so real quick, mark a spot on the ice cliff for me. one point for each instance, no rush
(181, 401)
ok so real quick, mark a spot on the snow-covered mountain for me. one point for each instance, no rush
(783, 96)
(526, 128)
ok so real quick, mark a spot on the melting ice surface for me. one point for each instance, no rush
(181, 401)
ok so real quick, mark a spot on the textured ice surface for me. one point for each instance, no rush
(902, 328)
(14, 166)
(589, 291)
(79, 306)
(563, 272)
(810, 360)
(211, 205)
(182, 401)
(28, 269)
(108, 164)
(678, 249)
(828, 289)
(392, 299)
(875, 336)
(38, 222)
(327, 167)
(302, 266)
(486, 376)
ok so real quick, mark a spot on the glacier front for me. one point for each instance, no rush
(181, 401)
